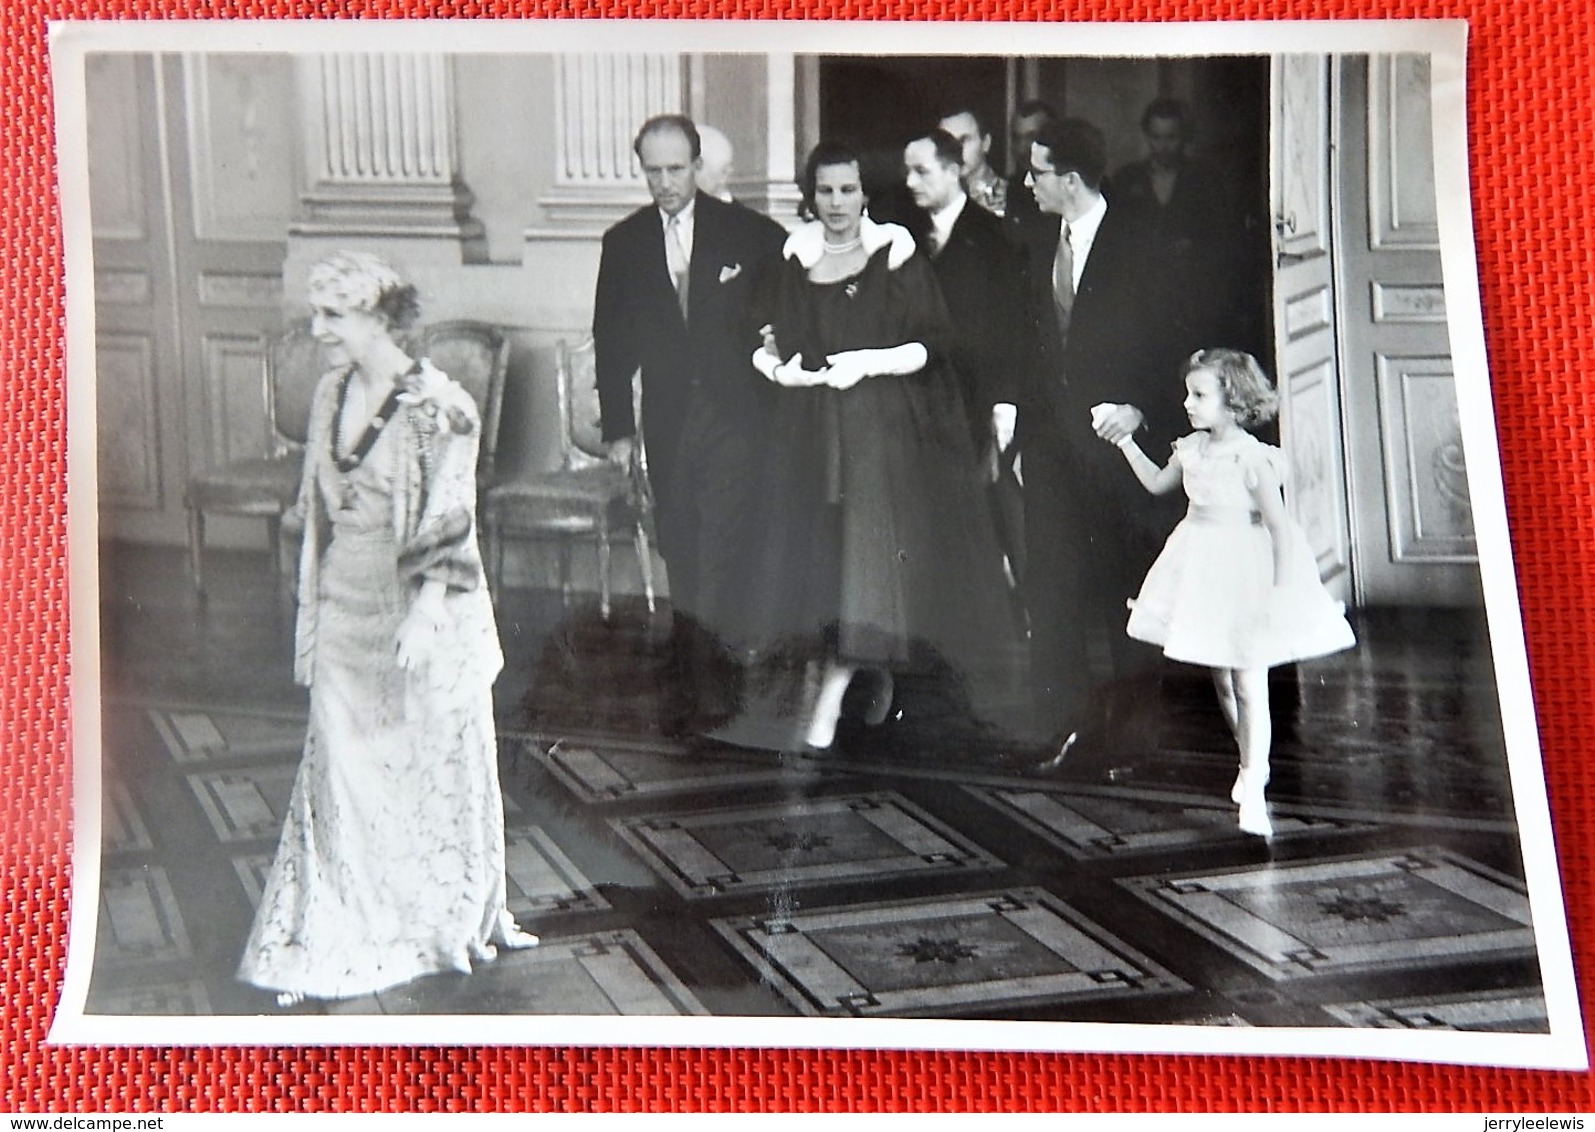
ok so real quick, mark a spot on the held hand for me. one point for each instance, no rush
(792, 374)
(1119, 424)
(845, 370)
(418, 633)
(621, 451)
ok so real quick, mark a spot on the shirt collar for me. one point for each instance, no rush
(1084, 230)
(684, 217)
(944, 218)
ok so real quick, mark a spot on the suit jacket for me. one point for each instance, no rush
(981, 277)
(637, 323)
(1123, 347)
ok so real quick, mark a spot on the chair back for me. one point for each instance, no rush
(580, 418)
(475, 354)
(293, 365)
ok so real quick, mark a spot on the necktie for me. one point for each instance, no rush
(1063, 281)
(676, 258)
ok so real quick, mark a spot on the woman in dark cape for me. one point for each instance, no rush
(878, 553)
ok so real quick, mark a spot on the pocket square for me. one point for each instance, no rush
(730, 272)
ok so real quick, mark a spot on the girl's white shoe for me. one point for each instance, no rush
(1249, 793)
(1237, 793)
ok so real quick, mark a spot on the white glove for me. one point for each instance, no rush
(1004, 418)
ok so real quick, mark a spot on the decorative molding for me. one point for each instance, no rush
(240, 147)
(1426, 483)
(1308, 313)
(1309, 435)
(234, 398)
(1408, 302)
(122, 286)
(1304, 148)
(599, 102)
(1402, 205)
(233, 291)
(382, 157)
(118, 207)
(126, 403)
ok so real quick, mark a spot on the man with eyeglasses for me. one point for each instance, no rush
(1103, 338)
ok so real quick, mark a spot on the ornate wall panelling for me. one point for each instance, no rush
(1307, 362)
(237, 194)
(125, 406)
(1431, 517)
(599, 101)
(192, 170)
(1411, 522)
(136, 392)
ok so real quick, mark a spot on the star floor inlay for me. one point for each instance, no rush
(942, 956)
(1415, 907)
(858, 837)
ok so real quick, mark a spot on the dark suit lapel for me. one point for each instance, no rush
(1101, 264)
(703, 273)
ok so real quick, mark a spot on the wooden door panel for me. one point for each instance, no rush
(1307, 363)
(1411, 520)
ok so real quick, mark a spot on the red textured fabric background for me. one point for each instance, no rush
(1531, 78)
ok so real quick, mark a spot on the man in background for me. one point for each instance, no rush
(980, 273)
(983, 183)
(718, 163)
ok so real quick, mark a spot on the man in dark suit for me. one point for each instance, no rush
(1103, 338)
(980, 274)
(674, 284)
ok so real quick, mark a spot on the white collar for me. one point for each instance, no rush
(807, 243)
(1084, 230)
(943, 219)
(685, 217)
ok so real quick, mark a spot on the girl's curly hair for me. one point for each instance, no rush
(1247, 391)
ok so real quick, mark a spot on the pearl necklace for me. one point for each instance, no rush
(842, 249)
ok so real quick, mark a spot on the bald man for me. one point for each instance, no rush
(714, 177)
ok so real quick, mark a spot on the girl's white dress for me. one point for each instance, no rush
(1210, 597)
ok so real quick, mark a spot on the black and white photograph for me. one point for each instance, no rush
(819, 534)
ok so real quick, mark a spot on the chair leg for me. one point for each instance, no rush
(283, 576)
(564, 572)
(196, 550)
(645, 563)
(603, 571)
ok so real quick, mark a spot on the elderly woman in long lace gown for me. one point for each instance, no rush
(391, 863)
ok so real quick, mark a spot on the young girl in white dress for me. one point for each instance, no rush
(1236, 588)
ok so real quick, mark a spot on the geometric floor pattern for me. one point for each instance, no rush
(932, 957)
(863, 838)
(1116, 822)
(1408, 909)
(1503, 1012)
(897, 877)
